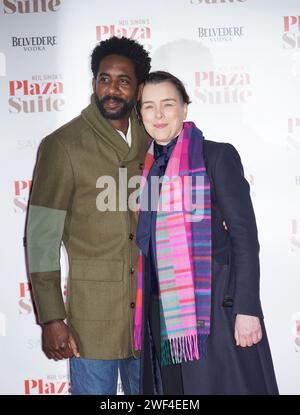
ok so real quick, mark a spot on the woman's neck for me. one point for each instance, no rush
(162, 143)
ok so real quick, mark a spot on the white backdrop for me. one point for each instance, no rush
(240, 60)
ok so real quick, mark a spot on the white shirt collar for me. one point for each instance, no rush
(127, 138)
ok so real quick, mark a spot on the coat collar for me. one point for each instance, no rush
(105, 132)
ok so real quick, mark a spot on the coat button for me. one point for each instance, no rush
(227, 302)
(132, 305)
(132, 270)
(131, 236)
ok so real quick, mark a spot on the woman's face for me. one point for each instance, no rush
(163, 111)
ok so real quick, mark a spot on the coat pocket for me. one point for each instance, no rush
(96, 290)
(87, 269)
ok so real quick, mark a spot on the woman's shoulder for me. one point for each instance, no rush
(215, 150)
(220, 157)
(217, 146)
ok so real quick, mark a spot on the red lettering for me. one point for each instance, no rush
(200, 76)
(134, 32)
(46, 87)
(49, 388)
(291, 21)
(13, 86)
(61, 388)
(104, 30)
(22, 185)
(30, 385)
(25, 287)
(34, 89)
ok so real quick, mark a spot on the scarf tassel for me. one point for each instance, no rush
(183, 349)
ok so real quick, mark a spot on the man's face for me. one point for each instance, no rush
(116, 87)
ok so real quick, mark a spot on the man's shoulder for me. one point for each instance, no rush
(70, 130)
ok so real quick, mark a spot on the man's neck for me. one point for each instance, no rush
(121, 125)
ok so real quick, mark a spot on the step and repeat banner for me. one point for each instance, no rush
(240, 61)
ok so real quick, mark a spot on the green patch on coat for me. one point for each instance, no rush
(44, 233)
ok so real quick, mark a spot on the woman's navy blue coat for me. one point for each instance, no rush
(227, 368)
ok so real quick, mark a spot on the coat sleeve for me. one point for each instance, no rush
(50, 200)
(233, 197)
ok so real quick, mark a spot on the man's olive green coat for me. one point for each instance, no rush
(68, 182)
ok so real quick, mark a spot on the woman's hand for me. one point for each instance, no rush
(247, 330)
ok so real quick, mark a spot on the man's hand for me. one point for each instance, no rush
(58, 341)
(247, 330)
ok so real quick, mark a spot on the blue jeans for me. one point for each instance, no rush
(100, 377)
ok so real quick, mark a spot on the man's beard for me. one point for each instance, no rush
(125, 109)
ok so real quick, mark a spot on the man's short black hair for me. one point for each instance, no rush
(125, 47)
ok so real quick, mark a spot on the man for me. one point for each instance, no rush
(65, 205)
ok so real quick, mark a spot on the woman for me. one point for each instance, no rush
(198, 316)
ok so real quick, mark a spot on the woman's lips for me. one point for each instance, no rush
(160, 125)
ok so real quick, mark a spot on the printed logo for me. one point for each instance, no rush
(21, 195)
(291, 36)
(41, 94)
(25, 301)
(227, 86)
(135, 29)
(34, 43)
(52, 385)
(221, 34)
(293, 137)
(30, 6)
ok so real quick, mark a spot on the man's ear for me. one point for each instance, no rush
(94, 84)
(140, 91)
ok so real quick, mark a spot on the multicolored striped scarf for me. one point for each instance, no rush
(183, 244)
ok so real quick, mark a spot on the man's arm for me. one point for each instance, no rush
(51, 197)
